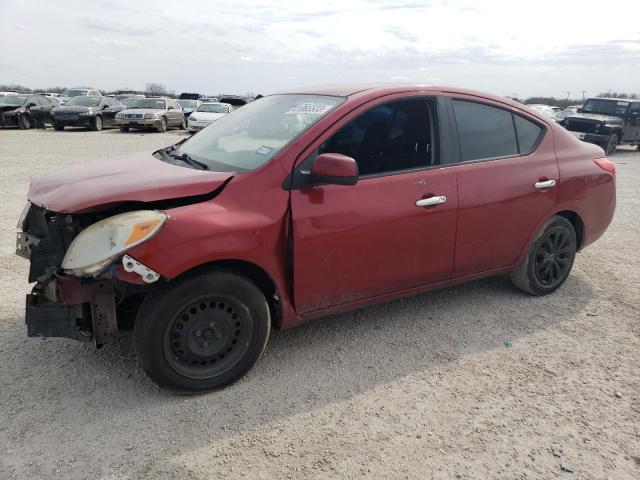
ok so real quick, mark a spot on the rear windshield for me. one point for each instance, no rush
(249, 137)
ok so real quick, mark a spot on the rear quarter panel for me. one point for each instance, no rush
(584, 187)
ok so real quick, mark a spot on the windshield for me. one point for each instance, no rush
(83, 101)
(188, 103)
(74, 93)
(213, 108)
(607, 107)
(129, 102)
(249, 137)
(155, 103)
(13, 100)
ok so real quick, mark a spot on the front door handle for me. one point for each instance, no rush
(545, 184)
(427, 202)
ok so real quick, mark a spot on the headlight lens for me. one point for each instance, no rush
(151, 115)
(119, 115)
(97, 246)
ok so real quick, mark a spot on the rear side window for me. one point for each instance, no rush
(528, 134)
(484, 131)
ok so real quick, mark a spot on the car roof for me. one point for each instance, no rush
(615, 99)
(348, 90)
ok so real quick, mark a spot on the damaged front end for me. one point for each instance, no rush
(86, 286)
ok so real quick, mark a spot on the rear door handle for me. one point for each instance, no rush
(427, 202)
(545, 184)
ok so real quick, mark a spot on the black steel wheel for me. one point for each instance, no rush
(612, 144)
(208, 336)
(202, 332)
(549, 259)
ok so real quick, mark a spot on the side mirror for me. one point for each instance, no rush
(105, 106)
(335, 169)
(33, 104)
(170, 107)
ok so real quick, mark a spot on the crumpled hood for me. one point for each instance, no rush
(136, 178)
(595, 117)
(8, 108)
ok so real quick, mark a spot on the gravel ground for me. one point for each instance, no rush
(477, 381)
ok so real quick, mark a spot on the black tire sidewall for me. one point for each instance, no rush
(554, 223)
(25, 122)
(160, 308)
(609, 144)
(97, 121)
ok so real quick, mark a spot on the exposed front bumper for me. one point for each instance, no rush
(72, 120)
(8, 120)
(197, 126)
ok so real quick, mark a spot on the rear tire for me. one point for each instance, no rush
(549, 259)
(96, 124)
(57, 127)
(202, 332)
(25, 122)
(124, 129)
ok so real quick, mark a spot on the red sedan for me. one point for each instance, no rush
(299, 205)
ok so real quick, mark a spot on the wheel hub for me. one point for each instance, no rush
(553, 258)
(207, 334)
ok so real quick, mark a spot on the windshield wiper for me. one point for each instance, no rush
(187, 159)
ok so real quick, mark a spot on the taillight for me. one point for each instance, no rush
(606, 165)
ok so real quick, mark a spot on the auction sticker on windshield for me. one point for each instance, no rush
(309, 108)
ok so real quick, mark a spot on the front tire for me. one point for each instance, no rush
(96, 124)
(162, 126)
(612, 144)
(183, 125)
(549, 259)
(124, 129)
(57, 127)
(25, 122)
(202, 332)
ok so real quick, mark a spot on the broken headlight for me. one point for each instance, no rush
(97, 246)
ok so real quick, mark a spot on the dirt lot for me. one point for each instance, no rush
(479, 381)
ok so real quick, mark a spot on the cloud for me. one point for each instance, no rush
(113, 42)
(401, 78)
(97, 23)
(402, 34)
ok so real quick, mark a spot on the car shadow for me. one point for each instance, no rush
(302, 370)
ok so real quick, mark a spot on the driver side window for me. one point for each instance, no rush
(392, 137)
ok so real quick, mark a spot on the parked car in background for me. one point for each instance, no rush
(206, 114)
(607, 122)
(234, 100)
(79, 91)
(95, 113)
(301, 205)
(545, 110)
(122, 96)
(209, 99)
(52, 94)
(189, 106)
(190, 96)
(6, 94)
(25, 111)
(156, 113)
(56, 100)
(560, 117)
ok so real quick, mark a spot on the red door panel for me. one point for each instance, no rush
(499, 207)
(355, 242)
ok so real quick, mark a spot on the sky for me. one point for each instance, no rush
(533, 48)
